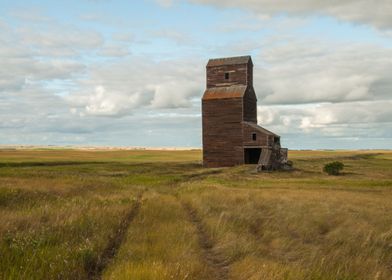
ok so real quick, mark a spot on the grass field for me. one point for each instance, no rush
(72, 214)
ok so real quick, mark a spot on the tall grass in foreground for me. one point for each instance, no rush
(267, 234)
(55, 222)
(59, 240)
(161, 244)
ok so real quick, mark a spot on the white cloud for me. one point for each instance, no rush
(175, 94)
(363, 119)
(120, 88)
(266, 115)
(105, 103)
(377, 14)
(18, 69)
(42, 55)
(309, 71)
(59, 40)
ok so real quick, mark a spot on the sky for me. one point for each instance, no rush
(132, 73)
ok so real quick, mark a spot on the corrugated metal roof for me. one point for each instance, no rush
(259, 128)
(229, 61)
(224, 92)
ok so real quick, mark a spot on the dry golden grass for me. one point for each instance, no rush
(306, 234)
(166, 249)
(60, 210)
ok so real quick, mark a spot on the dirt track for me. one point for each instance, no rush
(219, 266)
(96, 268)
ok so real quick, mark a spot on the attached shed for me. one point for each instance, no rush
(231, 135)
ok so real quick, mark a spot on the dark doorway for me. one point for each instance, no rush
(252, 155)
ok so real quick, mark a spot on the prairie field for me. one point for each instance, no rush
(140, 214)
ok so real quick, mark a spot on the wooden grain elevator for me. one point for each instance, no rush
(231, 135)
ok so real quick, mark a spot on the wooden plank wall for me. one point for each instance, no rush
(238, 75)
(250, 105)
(249, 73)
(261, 138)
(222, 132)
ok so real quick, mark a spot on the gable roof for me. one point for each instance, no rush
(259, 128)
(229, 61)
(224, 92)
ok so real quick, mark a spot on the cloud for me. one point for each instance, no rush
(16, 72)
(104, 103)
(361, 119)
(44, 118)
(42, 55)
(312, 71)
(165, 3)
(123, 37)
(124, 86)
(53, 42)
(48, 39)
(113, 50)
(175, 94)
(178, 37)
(363, 11)
(368, 112)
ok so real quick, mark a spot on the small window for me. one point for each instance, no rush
(227, 76)
(254, 137)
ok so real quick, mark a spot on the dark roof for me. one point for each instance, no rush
(224, 92)
(229, 61)
(259, 128)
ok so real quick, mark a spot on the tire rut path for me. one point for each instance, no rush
(218, 264)
(96, 268)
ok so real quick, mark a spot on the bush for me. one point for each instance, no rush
(333, 168)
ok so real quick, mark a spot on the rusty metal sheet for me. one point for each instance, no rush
(224, 92)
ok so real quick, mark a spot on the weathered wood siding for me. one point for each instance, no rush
(250, 105)
(262, 139)
(249, 73)
(216, 75)
(222, 132)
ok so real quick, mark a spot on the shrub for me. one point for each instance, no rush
(333, 168)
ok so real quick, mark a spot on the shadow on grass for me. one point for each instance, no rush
(17, 198)
(49, 163)
(362, 156)
(342, 174)
(63, 163)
